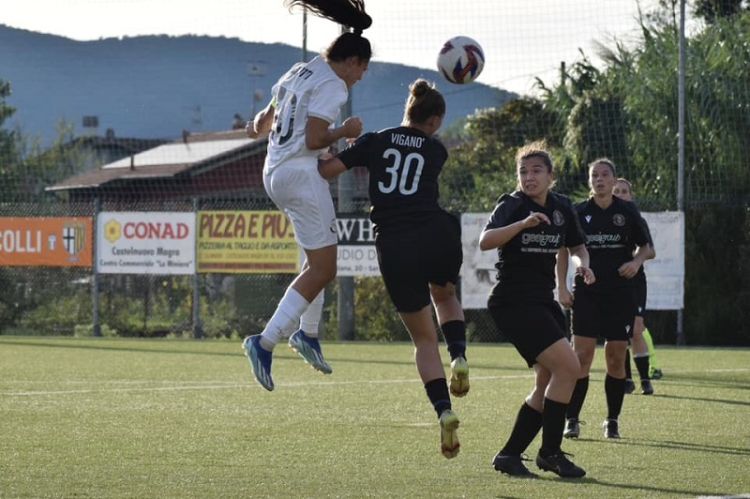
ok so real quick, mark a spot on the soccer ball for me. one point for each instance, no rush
(461, 59)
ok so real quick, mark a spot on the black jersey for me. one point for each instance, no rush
(640, 277)
(611, 237)
(526, 264)
(404, 166)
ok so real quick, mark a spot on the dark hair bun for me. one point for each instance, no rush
(420, 87)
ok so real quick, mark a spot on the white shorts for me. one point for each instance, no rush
(298, 190)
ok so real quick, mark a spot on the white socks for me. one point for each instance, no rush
(311, 318)
(285, 319)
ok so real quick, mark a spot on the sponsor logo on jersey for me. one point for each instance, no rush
(541, 239)
(587, 218)
(558, 218)
(602, 238)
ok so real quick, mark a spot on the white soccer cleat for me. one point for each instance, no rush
(459, 385)
(449, 445)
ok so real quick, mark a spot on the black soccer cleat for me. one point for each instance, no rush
(646, 387)
(512, 466)
(559, 463)
(611, 429)
(629, 386)
(656, 374)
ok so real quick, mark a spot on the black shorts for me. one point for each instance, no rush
(640, 295)
(531, 327)
(412, 259)
(608, 314)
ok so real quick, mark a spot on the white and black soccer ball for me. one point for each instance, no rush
(461, 60)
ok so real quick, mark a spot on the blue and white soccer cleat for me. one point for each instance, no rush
(260, 360)
(309, 349)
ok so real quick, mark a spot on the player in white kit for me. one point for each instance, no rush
(305, 103)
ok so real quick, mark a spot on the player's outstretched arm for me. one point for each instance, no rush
(318, 135)
(331, 167)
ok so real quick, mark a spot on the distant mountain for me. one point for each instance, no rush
(158, 86)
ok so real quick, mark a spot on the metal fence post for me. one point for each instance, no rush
(680, 333)
(345, 306)
(96, 320)
(197, 325)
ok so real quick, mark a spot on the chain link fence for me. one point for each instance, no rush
(616, 95)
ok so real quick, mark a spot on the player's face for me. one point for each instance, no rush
(601, 179)
(534, 177)
(622, 191)
(356, 70)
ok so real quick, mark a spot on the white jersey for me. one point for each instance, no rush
(309, 89)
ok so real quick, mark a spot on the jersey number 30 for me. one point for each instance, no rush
(400, 170)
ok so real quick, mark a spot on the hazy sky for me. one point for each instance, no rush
(521, 38)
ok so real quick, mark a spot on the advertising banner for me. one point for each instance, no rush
(47, 242)
(248, 242)
(665, 273)
(356, 251)
(145, 243)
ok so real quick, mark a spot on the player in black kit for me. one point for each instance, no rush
(639, 344)
(606, 309)
(527, 228)
(418, 243)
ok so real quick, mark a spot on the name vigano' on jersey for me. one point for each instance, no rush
(461, 60)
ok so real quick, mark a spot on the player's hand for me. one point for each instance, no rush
(250, 130)
(534, 219)
(587, 274)
(352, 127)
(628, 270)
(565, 297)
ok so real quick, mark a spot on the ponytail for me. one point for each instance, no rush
(350, 13)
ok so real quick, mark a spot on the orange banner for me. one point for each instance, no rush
(48, 242)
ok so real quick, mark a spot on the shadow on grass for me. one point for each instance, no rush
(703, 382)
(112, 348)
(281, 353)
(640, 490)
(688, 446)
(702, 399)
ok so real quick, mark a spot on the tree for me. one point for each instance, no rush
(8, 156)
(713, 10)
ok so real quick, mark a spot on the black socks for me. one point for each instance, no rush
(437, 392)
(455, 337)
(527, 425)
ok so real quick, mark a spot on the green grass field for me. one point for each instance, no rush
(179, 418)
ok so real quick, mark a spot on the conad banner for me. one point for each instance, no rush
(248, 242)
(145, 243)
(665, 273)
(45, 242)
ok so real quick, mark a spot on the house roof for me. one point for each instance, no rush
(194, 151)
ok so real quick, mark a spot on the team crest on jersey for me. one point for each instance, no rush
(618, 220)
(558, 218)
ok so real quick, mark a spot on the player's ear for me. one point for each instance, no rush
(435, 122)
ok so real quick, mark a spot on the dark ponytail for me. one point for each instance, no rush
(350, 13)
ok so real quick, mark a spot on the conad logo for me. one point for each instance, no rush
(112, 231)
(155, 230)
